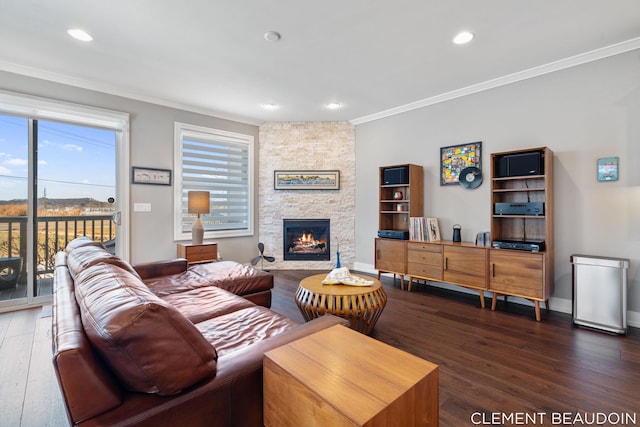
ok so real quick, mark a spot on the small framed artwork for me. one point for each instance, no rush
(150, 176)
(457, 157)
(608, 169)
(306, 180)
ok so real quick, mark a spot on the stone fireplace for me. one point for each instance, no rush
(306, 240)
(307, 146)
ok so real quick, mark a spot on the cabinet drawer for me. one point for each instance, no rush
(516, 274)
(425, 271)
(198, 253)
(431, 258)
(425, 247)
(201, 253)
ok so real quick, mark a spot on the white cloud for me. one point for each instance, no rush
(42, 162)
(86, 181)
(16, 162)
(4, 171)
(72, 147)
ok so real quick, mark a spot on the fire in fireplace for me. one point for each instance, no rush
(306, 240)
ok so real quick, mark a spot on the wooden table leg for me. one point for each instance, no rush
(482, 298)
(494, 301)
(537, 303)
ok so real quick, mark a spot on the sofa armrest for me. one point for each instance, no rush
(161, 268)
(232, 397)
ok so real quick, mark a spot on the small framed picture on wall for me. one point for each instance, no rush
(608, 169)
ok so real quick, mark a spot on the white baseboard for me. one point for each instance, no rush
(561, 305)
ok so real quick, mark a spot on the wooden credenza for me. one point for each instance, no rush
(499, 271)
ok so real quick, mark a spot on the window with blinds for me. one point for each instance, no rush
(219, 162)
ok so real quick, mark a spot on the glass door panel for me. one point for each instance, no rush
(76, 191)
(14, 190)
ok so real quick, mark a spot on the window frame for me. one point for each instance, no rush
(219, 136)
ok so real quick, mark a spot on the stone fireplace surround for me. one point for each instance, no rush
(307, 146)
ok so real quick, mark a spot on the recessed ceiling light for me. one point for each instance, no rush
(270, 106)
(463, 37)
(333, 105)
(79, 34)
(272, 36)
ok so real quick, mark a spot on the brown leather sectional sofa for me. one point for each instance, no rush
(161, 344)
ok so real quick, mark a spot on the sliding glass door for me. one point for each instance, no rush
(58, 180)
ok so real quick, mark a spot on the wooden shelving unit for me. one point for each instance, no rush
(394, 214)
(524, 274)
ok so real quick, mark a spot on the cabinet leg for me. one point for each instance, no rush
(410, 283)
(546, 305)
(494, 300)
(379, 274)
(482, 298)
(537, 310)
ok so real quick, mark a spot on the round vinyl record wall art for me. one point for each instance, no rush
(470, 177)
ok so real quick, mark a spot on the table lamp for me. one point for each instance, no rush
(198, 203)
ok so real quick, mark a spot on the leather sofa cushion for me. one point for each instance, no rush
(202, 304)
(239, 329)
(231, 276)
(234, 277)
(187, 280)
(148, 344)
(83, 252)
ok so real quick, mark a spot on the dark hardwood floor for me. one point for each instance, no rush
(492, 364)
(503, 363)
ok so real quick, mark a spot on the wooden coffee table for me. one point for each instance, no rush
(362, 305)
(339, 377)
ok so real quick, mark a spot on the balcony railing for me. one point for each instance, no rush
(53, 234)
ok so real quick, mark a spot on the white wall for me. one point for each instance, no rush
(151, 143)
(582, 114)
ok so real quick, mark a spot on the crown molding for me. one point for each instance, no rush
(117, 91)
(583, 58)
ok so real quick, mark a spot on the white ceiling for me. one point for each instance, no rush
(371, 56)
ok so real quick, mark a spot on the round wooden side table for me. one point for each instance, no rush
(361, 305)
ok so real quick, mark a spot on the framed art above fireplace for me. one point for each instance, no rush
(306, 180)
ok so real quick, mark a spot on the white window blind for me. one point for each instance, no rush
(219, 162)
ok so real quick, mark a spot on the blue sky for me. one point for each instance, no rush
(73, 161)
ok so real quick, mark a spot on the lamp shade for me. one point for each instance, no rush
(198, 202)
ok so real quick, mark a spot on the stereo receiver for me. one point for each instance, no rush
(526, 208)
(521, 245)
(394, 234)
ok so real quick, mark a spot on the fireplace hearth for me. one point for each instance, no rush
(306, 240)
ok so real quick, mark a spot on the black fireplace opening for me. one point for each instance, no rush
(306, 240)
